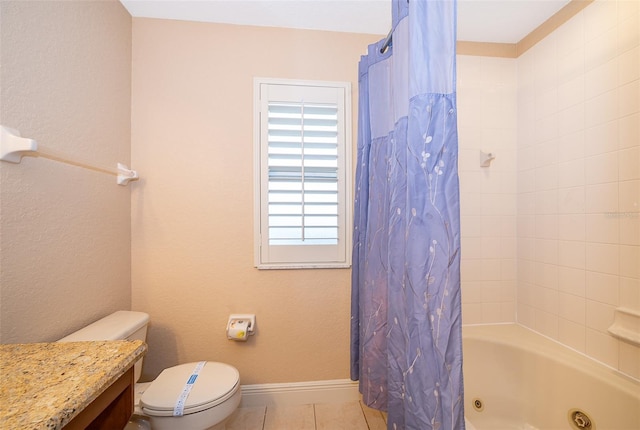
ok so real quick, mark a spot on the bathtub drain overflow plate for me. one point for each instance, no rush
(477, 405)
(580, 420)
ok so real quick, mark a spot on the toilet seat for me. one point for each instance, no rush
(215, 383)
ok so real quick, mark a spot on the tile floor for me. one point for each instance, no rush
(330, 416)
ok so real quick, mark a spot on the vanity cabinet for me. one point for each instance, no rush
(74, 385)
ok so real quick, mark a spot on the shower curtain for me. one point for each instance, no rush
(406, 346)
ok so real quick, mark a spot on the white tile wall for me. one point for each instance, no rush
(551, 231)
(487, 116)
(578, 176)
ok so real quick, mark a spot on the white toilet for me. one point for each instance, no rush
(213, 397)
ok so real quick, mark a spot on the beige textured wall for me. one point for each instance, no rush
(64, 231)
(192, 213)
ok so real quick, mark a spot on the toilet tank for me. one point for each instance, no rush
(120, 325)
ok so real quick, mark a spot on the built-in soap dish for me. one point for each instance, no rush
(626, 325)
(486, 158)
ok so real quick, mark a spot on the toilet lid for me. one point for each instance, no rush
(215, 383)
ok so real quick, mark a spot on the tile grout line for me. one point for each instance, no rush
(364, 415)
(264, 417)
(315, 424)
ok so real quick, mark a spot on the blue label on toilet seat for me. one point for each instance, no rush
(178, 410)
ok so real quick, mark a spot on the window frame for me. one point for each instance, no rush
(268, 256)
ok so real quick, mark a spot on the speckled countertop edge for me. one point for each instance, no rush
(45, 385)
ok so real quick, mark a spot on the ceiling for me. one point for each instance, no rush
(499, 21)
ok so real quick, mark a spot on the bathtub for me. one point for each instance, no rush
(517, 379)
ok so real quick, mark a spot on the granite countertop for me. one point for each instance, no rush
(45, 385)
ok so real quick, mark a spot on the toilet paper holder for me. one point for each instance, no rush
(242, 318)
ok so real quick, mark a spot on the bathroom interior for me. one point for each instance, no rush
(550, 230)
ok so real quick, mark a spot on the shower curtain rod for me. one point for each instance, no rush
(387, 42)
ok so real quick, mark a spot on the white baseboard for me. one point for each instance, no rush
(300, 393)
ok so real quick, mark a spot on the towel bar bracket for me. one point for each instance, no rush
(13, 147)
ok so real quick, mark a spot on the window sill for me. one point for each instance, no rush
(303, 266)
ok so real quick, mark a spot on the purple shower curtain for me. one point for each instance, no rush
(406, 343)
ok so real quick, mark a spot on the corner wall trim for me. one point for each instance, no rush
(300, 393)
(563, 15)
(514, 50)
(486, 49)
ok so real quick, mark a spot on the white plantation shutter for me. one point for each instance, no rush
(303, 183)
(303, 173)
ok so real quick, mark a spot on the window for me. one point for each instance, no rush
(303, 174)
